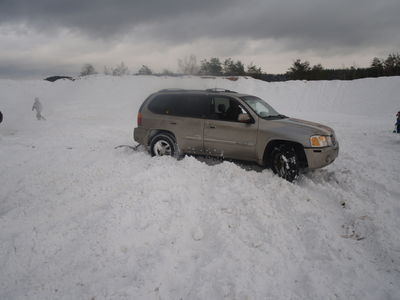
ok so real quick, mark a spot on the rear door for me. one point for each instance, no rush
(224, 135)
(183, 115)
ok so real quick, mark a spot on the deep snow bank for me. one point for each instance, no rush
(366, 97)
(82, 220)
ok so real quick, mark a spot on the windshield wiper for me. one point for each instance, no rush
(275, 117)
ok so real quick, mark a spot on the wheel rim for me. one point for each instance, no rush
(161, 148)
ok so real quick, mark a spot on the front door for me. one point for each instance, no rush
(224, 135)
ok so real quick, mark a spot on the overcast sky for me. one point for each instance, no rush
(54, 37)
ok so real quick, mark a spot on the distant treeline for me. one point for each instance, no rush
(379, 67)
(300, 70)
(304, 71)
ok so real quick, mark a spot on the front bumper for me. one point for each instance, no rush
(321, 157)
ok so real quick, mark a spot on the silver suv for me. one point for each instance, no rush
(227, 124)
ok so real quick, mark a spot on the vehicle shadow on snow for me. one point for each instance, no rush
(212, 161)
(317, 175)
(209, 160)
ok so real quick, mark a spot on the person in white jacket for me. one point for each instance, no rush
(38, 107)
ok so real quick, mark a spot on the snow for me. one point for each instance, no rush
(80, 219)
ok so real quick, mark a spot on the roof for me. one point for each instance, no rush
(207, 91)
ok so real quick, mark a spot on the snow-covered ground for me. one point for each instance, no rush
(80, 219)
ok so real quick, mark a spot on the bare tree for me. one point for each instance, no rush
(107, 71)
(188, 65)
(120, 70)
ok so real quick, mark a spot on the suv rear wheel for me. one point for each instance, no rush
(163, 144)
(285, 162)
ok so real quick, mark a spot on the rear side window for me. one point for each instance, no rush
(162, 104)
(186, 105)
(144, 102)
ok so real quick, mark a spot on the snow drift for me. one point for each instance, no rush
(82, 220)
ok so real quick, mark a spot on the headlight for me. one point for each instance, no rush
(320, 141)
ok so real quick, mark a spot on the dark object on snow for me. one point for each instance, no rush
(397, 125)
(55, 78)
(1, 117)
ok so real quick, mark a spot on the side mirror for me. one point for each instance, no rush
(244, 118)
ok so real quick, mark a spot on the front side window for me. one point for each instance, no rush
(226, 109)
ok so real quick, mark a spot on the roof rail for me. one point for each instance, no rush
(219, 90)
(171, 90)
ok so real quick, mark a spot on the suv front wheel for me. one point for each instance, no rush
(285, 162)
(163, 144)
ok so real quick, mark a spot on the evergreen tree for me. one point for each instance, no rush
(229, 66)
(239, 68)
(167, 72)
(299, 70)
(316, 72)
(392, 65)
(252, 70)
(145, 70)
(212, 67)
(232, 68)
(376, 67)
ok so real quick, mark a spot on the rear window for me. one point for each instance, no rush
(195, 106)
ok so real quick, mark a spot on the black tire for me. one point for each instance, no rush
(285, 163)
(163, 144)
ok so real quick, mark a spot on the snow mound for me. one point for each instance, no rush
(82, 219)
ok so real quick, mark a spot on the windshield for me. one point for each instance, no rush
(261, 108)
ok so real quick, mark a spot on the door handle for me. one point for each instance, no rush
(172, 123)
(210, 125)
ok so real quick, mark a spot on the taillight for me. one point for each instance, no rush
(139, 119)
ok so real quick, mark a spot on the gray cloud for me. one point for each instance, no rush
(246, 29)
(316, 23)
(306, 24)
(102, 17)
(31, 70)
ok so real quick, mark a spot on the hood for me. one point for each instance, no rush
(294, 129)
(319, 128)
